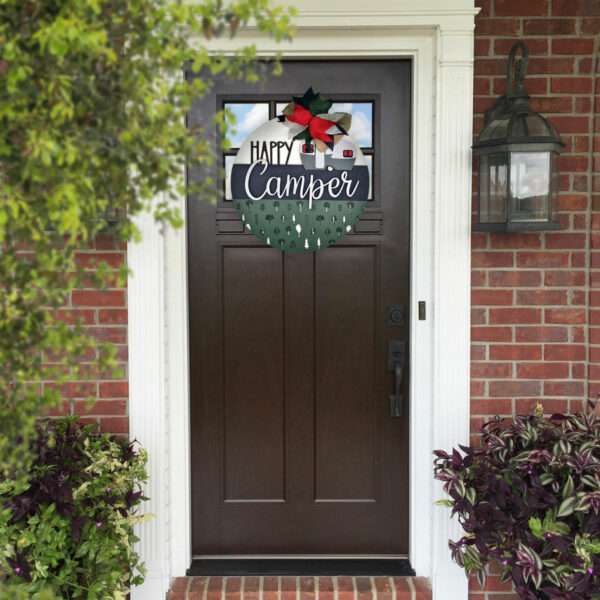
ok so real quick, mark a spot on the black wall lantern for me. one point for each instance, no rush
(517, 151)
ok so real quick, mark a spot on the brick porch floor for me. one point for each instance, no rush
(299, 588)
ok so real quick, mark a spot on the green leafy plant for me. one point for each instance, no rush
(93, 132)
(67, 528)
(529, 499)
(92, 125)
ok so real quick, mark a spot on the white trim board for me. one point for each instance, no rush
(439, 40)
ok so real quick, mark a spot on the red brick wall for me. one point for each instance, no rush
(536, 314)
(104, 313)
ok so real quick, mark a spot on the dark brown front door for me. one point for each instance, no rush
(294, 448)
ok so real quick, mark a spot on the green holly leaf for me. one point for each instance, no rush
(304, 135)
(313, 101)
(306, 100)
(319, 105)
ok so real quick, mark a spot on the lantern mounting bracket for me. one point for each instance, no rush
(516, 94)
(516, 70)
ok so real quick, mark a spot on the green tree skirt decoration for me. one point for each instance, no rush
(292, 226)
(299, 181)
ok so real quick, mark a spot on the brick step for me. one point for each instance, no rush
(300, 588)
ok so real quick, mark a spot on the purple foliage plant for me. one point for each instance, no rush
(529, 499)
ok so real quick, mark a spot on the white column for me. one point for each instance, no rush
(178, 401)
(452, 285)
(147, 402)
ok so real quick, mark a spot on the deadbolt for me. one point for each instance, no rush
(395, 315)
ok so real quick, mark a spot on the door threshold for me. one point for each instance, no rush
(237, 567)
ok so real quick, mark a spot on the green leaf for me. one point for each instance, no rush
(568, 488)
(447, 503)
(320, 106)
(567, 507)
(535, 525)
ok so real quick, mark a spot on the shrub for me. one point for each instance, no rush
(93, 132)
(68, 528)
(529, 498)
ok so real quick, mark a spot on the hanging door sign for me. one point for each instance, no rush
(299, 181)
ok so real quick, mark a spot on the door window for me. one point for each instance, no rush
(250, 115)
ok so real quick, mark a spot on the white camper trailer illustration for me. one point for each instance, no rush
(341, 158)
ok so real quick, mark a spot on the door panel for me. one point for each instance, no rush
(345, 374)
(253, 362)
(294, 450)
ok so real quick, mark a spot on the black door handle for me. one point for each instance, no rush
(396, 399)
(396, 351)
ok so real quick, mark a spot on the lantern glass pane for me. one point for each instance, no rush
(536, 126)
(496, 129)
(530, 186)
(493, 187)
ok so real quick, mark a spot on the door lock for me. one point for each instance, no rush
(396, 357)
(395, 315)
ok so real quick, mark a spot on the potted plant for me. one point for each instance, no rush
(67, 528)
(528, 498)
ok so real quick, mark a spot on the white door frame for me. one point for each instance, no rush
(438, 36)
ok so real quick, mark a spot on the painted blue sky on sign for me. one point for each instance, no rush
(362, 121)
(248, 116)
